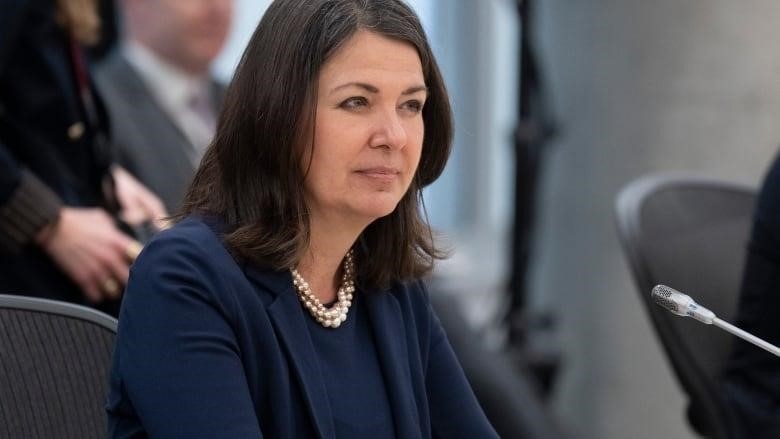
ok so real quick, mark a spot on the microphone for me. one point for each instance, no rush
(683, 305)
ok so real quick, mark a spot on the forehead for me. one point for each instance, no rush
(368, 55)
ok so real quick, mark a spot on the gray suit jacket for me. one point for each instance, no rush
(148, 142)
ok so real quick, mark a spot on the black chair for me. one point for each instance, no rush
(691, 234)
(54, 363)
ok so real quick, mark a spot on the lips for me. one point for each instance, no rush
(382, 173)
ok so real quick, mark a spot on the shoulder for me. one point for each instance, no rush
(183, 269)
(192, 248)
(192, 233)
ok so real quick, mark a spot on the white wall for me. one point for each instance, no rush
(246, 15)
(639, 87)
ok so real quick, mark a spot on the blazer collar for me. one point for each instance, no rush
(389, 330)
(287, 315)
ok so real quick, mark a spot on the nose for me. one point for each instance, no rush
(390, 131)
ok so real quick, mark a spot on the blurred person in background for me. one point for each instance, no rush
(161, 97)
(288, 301)
(61, 199)
(752, 384)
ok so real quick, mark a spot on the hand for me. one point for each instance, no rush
(138, 204)
(90, 249)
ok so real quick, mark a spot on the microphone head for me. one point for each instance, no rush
(681, 304)
(671, 299)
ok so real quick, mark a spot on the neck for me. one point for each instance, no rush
(321, 263)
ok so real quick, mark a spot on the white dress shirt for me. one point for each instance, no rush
(186, 98)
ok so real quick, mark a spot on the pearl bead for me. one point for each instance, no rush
(328, 317)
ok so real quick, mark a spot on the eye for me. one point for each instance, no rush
(413, 106)
(354, 103)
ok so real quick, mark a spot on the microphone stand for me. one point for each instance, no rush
(744, 335)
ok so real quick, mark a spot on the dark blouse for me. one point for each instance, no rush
(356, 390)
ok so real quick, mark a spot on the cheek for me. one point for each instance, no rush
(415, 146)
(321, 164)
(338, 141)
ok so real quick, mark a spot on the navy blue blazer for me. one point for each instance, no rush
(211, 347)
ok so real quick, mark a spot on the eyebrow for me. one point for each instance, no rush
(371, 89)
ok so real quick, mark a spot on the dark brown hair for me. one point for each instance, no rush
(251, 177)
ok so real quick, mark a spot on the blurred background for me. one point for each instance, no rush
(608, 90)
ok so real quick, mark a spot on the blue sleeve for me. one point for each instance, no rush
(177, 353)
(455, 411)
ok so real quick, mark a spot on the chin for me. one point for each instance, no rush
(378, 210)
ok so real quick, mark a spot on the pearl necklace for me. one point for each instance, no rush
(334, 316)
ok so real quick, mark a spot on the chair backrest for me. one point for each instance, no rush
(54, 363)
(689, 233)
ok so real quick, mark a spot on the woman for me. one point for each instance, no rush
(285, 302)
(60, 195)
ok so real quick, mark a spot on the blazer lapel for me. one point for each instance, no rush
(387, 324)
(287, 316)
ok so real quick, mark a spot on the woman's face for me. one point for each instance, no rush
(369, 130)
